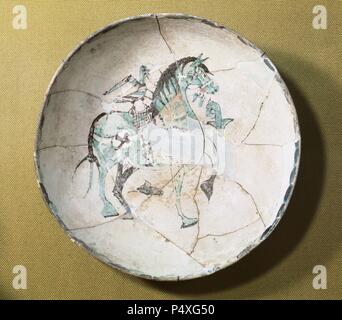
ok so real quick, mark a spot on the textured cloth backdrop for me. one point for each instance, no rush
(310, 232)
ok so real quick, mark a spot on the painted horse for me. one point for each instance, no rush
(121, 139)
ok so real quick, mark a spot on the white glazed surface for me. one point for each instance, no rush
(259, 168)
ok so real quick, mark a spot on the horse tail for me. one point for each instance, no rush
(90, 157)
(90, 178)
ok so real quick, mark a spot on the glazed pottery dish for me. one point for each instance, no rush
(168, 146)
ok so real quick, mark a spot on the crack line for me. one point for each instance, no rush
(61, 146)
(75, 90)
(161, 34)
(143, 223)
(230, 232)
(264, 144)
(259, 113)
(223, 70)
(93, 226)
(236, 65)
(256, 120)
(256, 207)
(168, 240)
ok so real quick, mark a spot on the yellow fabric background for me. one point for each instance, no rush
(310, 232)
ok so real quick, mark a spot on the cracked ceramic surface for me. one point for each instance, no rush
(168, 146)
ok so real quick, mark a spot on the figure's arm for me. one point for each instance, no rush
(128, 79)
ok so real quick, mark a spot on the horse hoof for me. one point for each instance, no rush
(207, 186)
(109, 211)
(110, 215)
(188, 222)
(127, 216)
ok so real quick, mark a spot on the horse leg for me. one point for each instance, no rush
(108, 209)
(207, 186)
(121, 178)
(186, 221)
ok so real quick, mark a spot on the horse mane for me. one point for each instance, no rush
(168, 74)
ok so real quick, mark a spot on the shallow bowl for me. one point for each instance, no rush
(168, 146)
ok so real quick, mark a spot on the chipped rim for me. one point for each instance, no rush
(293, 175)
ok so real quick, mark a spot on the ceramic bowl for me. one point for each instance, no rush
(168, 146)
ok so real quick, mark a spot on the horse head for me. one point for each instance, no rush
(197, 74)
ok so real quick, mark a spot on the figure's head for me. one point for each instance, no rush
(144, 70)
(196, 73)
